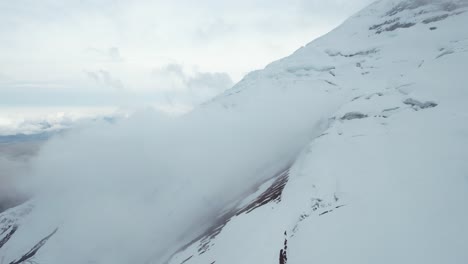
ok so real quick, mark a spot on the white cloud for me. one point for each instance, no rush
(182, 88)
(104, 78)
(51, 43)
(111, 54)
(153, 179)
(217, 28)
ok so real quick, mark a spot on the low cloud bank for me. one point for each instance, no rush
(133, 191)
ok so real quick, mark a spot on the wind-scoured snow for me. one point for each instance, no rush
(351, 150)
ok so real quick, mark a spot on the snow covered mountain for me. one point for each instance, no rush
(372, 168)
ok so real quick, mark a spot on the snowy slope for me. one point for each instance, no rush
(387, 181)
(377, 108)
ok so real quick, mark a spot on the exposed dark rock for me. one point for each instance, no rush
(397, 26)
(26, 258)
(444, 53)
(353, 115)
(452, 6)
(359, 53)
(272, 194)
(419, 105)
(435, 19)
(407, 5)
(297, 70)
(283, 254)
(330, 83)
(372, 95)
(414, 4)
(9, 235)
(387, 22)
(325, 212)
(391, 109)
(187, 259)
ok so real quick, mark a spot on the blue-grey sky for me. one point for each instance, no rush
(119, 52)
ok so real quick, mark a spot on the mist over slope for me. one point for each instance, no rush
(353, 149)
(168, 177)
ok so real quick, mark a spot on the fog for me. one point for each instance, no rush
(14, 168)
(133, 191)
(11, 171)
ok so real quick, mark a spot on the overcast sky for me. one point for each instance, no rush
(120, 52)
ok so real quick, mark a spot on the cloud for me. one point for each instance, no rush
(111, 54)
(128, 39)
(217, 28)
(3, 77)
(158, 180)
(189, 87)
(151, 179)
(104, 78)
